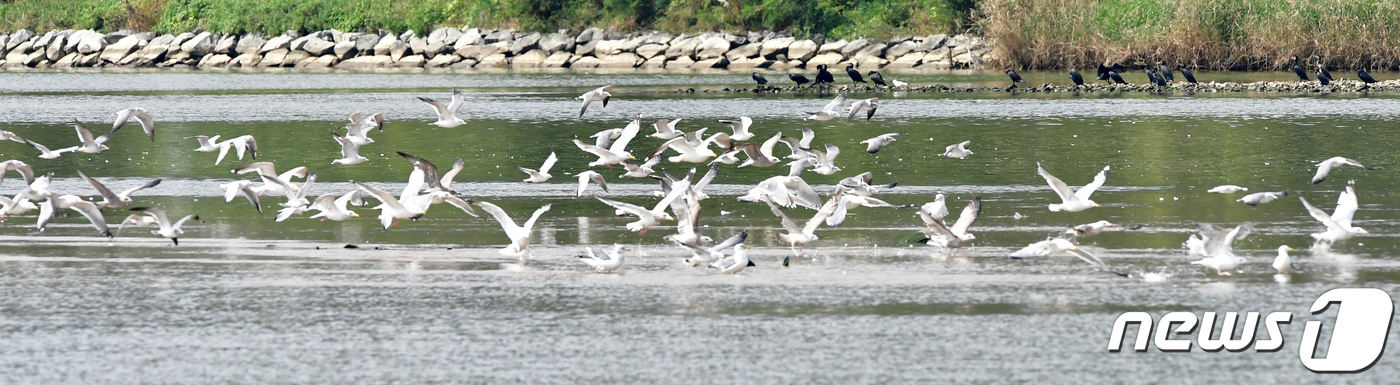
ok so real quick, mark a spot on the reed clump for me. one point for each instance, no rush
(1210, 34)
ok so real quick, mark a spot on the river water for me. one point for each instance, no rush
(245, 299)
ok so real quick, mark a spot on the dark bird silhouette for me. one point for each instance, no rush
(1190, 78)
(1297, 69)
(1116, 79)
(1015, 77)
(1322, 78)
(799, 79)
(1322, 67)
(1154, 78)
(824, 76)
(1365, 77)
(1076, 77)
(1104, 70)
(1164, 71)
(875, 77)
(759, 78)
(855, 75)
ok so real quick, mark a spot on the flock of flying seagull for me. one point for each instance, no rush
(682, 196)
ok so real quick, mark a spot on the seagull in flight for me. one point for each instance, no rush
(602, 94)
(167, 229)
(148, 124)
(447, 114)
(829, 112)
(1325, 167)
(519, 234)
(541, 175)
(1072, 200)
(112, 200)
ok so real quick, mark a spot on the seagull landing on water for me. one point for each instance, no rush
(602, 94)
(167, 229)
(955, 237)
(519, 235)
(1072, 200)
(1215, 246)
(1325, 167)
(447, 114)
(957, 151)
(1062, 246)
(1339, 223)
(610, 261)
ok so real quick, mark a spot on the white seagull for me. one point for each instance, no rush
(617, 152)
(244, 188)
(1091, 229)
(1073, 200)
(805, 235)
(735, 263)
(90, 144)
(955, 237)
(873, 145)
(864, 105)
(740, 127)
(167, 229)
(87, 209)
(113, 200)
(936, 209)
(958, 151)
(148, 124)
(1226, 189)
(648, 218)
(1283, 263)
(1339, 223)
(240, 144)
(17, 166)
(519, 235)
(1216, 247)
(1262, 197)
(1325, 167)
(829, 111)
(543, 173)
(45, 153)
(349, 151)
(713, 253)
(612, 262)
(585, 176)
(666, 129)
(270, 170)
(602, 94)
(447, 114)
(1061, 246)
(404, 207)
(336, 208)
(206, 143)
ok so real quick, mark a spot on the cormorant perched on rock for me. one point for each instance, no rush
(799, 79)
(1116, 79)
(1154, 78)
(875, 77)
(1297, 69)
(1190, 78)
(1164, 71)
(1104, 70)
(1322, 77)
(855, 75)
(1365, 77)
(824, 76)
(1322, 67)
(1015, 77)
(1074, 75)
(759, 78)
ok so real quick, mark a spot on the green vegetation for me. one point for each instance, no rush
(1215, 34)
(835, 18)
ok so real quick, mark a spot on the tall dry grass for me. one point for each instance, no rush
(1211, 34)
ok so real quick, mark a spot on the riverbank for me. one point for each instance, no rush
(478, 48)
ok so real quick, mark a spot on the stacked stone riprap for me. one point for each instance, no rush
(480, 48)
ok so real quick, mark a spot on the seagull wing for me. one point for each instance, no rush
(731, 242)
(626, 207)
(507, 224)
(127, 193)
(436, 105)
(1346, 205)
(826, 211)
(430, 173)
(101, 190)
(548, 163)
(968, 217)
(835, 103)
(1056, 184)
(620, 145)
(382, 196)
(93, 214)
(457, 99)
(1320, 215)
(787, 222)
(1084, 192)
(155, 212)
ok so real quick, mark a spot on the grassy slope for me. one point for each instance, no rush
(1217, 34)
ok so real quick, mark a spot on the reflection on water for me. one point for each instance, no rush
(870, 306)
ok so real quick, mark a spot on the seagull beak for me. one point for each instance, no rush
(357, 215)
(1096, 205)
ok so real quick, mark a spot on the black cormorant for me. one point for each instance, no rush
(875, 77)
(855, 75)
(824, 76)
(1074, 75)
(1116, 79)
(799, 79)
(1164, 71)
(1297, 69)
(1322, 77)
(1190, 78)
(1365, 77)
(1015, 77)
(759, 78)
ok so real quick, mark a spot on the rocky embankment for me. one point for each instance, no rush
(479, 48)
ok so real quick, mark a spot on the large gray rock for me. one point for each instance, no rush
(855, 46)
(418, 45)
(18, 37)
(586, 36)
(445, 35)
(829, 58)
(71, 43)
(682, 47)
(318, 47)
(442, 60)
(958, 41)
(874, 50)
(16, 56)
(92, 43)
(558, 59)
(832, 46)
(199, 45)
(364, 44)
(278, 42)
(366, 62)
(434, 48)
(386, 43)
(532, 59)
(250, 59)
(711, 48)
(344, 49)
(802, 50)
(773, 47)
(622, 60)
(275, 58)
(744, 51)
(494, 61)
(658, 38)
(466, 40)
(411, 61)
(896, 51)
(55, 50)
(44, 40)
(226, 45)
(651, 50)
(932, 42)
(214, 61)
(117, 35)
(504, 35)
(398, 50)
(736, 40)
(525, 44)
(249, 43)
(118, 50)
(294, 57)
(480, 52)
(556, 42)
(180, 39)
